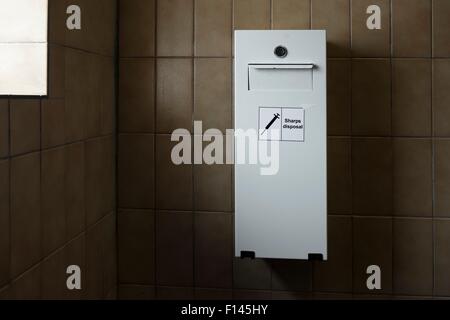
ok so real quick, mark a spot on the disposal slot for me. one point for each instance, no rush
(280, 77)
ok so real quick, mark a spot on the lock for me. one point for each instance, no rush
(280, 52)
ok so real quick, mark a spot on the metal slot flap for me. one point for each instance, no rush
(280, 77)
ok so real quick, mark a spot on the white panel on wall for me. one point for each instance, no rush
(280, 93)
(23, 47)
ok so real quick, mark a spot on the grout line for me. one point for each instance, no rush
(116, 136)
(433, 158)
(271, 14)
(155, 114)
(351, 155)
(350, 27)
(41, 224)
(80, 50)
(174, 57)
(192, 152)
(9, 195)
(391, 69)
(351, 145)
(232, 196)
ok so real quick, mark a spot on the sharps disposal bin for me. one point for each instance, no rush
(280, 180)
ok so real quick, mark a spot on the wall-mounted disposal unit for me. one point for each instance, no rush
(280, 92)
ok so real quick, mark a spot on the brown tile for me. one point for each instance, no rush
(363, 297)
(136, 171)
(411, 36)
(251, 14)
(174, 183)
(77, 71)
(52, 117)
(442, 258)
(174, 293)
(4, 223)
(77, 39)
(175, 20)
(251, 274)
(91, 91)
(109, 251)
(213, 28)
(4, 128)
(5, 293)
(339, 175)
(99, 178)
(106, 97)
(98, 27)
(291, 275)
(213, 250)
(27, 286)
(102, 38)
(339, 258)
(291, 14)
(56, 71)
(53, 213)
(25, 125)
(174, 95)
(333, 16)
(112, 295)
(212, 93)
(213, 294)
(75, 254)
(411, 97)
(136, 232)
(25, 213)
(137, 95)
(93, 275)
(136, 292)
(441, 28)
(75, 189)
(371, 97)
(100, 259)
(332, 296)
(372, 176)
(372, 245)
(339, 97)
(291, 295)
(370, 42)
(399, 297)
(413, 256)
(54, 277)
(56, 18)
(441, 97)
(174, 249)
(213, 185)
(137, 28)
(251, 295)
(441, 178)
(412, 177)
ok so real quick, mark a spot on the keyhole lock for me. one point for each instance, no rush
(280, 52)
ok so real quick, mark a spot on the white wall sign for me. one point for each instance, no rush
(23, 47)
(282, 124)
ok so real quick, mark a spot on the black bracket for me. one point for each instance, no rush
(248, 254)
(315, 257)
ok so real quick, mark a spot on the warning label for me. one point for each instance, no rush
(282, 124)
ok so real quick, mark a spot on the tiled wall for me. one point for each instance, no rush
(57, 166)
(389, 149)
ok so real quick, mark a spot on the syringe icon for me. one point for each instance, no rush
(275, 117)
